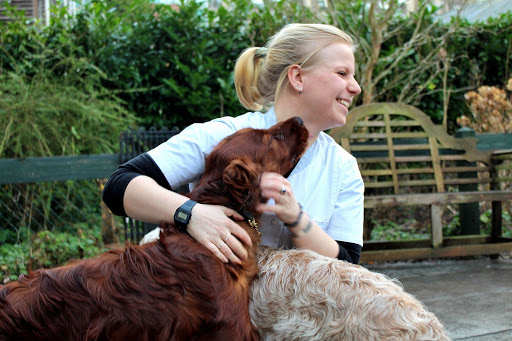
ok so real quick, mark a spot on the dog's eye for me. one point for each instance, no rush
(280, 136)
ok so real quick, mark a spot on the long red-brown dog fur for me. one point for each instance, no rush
(170, 289)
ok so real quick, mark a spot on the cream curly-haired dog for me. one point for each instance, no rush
(301, 295)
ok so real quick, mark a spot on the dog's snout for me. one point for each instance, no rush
(301, 122)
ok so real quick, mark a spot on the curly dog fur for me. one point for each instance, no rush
(301, 295)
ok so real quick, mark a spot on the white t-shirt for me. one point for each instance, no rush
(326, 181)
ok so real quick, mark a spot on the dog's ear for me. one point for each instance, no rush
(241, 178)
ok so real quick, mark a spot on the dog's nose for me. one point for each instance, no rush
(301, 122)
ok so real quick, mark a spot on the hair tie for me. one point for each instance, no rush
(261, 52)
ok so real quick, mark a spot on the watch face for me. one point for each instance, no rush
(182, 215)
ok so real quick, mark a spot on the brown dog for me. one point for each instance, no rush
(171, 289)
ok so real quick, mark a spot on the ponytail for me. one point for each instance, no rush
(247, 71)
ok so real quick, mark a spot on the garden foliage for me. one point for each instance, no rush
(174, 66)
(71, 87)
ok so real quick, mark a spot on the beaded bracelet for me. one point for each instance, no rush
(296, 221)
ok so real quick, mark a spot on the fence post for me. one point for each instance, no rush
(469, 213)
(109, 231)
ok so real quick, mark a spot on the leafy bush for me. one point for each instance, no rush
(392, 231)
(170, 67)
(452, 228)
(46, 249)
(486, 220)
(42, 117)
(174, 67)
(52, 102)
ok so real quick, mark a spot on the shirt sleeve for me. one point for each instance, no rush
(113, 192)
(349, 252)
(182, 158)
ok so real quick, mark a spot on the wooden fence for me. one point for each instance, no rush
(95, 167)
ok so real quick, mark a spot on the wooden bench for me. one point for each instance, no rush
(406, 160)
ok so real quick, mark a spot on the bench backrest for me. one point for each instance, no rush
(400, 149)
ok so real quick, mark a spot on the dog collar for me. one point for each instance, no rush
(249, 218)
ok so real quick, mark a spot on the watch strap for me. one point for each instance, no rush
(188, 205)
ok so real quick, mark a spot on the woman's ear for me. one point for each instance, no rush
(295, 77)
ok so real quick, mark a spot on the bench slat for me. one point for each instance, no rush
(446, 170)
(441, 252)
(436, 198)
(408, 123)
(466, 169)
(427, 182)
(468, 181)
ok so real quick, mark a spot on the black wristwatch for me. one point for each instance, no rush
(183, 214)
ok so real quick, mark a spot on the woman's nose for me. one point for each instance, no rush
(354, 87)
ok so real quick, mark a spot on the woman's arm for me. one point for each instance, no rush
(138, 189)
(306, 233)
(114, 190)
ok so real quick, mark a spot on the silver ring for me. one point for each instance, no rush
(226, 240)
(283, 190)
(221, 245)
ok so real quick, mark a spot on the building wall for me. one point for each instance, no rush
(39, 9)
(445, 5)
(27, 5)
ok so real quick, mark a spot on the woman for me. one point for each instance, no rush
(306, 70)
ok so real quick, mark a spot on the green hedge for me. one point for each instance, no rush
(174, 67)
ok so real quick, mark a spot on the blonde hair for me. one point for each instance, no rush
(261, 73)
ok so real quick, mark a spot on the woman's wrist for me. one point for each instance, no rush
(303, 231)
(301, 226)
(296, 221)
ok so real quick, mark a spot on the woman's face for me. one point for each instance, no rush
(329, 87)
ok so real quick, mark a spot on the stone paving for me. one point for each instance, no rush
(472, 298)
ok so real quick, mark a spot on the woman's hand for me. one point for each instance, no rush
(275, 186)
(288, 210)
(212, 226)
